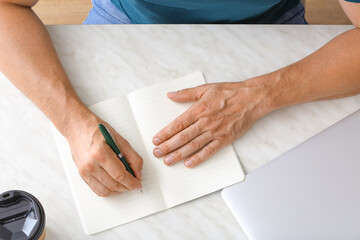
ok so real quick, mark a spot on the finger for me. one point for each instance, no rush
(97, 187)
(116, 169)
(207, 151)
(188, 94)
(180, 123)
(105, 179)
(132, 157)
(178, 140)
(188, 149)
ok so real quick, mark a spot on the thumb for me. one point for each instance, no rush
(188, 94)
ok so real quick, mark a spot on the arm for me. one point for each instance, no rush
(29, 60)
(352, 10)
(223, 112)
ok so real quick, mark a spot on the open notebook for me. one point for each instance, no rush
(138, 116)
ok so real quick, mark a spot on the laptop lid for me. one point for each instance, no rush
(310, 192)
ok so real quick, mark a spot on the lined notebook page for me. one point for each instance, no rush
(97, 213)
(153, 111)
(137, 118)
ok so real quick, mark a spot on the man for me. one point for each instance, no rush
(199, 11)
(221, 112)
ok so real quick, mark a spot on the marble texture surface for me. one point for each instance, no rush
(106, 61)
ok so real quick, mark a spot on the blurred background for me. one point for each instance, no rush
(75, 11)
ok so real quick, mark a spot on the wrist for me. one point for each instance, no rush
(262, 95)
(278, 89)
(75, 117)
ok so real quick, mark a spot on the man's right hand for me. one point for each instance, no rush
(43, 80)
(98, 165)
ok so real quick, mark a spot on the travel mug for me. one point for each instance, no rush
(21, 216)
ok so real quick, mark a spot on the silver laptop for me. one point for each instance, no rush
(310, 192)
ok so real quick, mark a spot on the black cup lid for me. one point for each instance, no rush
(21, 216)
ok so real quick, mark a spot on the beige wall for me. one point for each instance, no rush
(62, 11)
(325, 12)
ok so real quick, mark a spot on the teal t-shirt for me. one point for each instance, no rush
(204, 11)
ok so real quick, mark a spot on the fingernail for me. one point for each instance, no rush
(169, 94)
(169, 160)
(156, 141)
(188, 163)
(139, 188)
(157, 152)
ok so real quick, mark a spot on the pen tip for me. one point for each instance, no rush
(141, 191)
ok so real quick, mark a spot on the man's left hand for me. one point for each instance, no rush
(221, 113)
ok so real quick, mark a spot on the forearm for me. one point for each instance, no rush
(28, 59)
(331, 72)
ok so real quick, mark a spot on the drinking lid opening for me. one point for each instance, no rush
(21, 216)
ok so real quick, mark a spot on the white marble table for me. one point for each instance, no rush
(106, 61)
